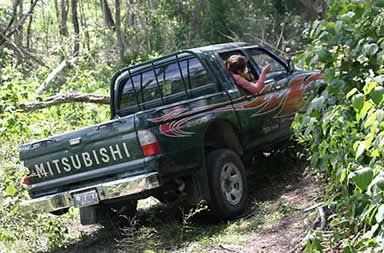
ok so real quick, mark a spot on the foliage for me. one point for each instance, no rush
(148, 27)
(16, 127)
(345, 124)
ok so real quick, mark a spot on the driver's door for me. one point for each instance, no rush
(259, 114)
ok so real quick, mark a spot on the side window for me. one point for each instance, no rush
(151, 88)
(197, 76)
(166, 83)
(171, 79)
(131, 94)
(262, 59)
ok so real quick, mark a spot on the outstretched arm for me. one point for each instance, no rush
(253, 88)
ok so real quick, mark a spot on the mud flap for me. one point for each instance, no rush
(88, 215)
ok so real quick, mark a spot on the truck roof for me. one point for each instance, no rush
(218, 47)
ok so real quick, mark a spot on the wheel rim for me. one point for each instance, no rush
(231, 183)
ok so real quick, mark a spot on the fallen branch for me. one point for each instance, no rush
(66, 98)
(53, 74)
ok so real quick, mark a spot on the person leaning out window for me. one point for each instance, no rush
(237, 65)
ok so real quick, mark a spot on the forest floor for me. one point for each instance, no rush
(281, 213)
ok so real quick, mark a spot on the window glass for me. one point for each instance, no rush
(173, 81)
(128, 96)
(195, 73)
(262, 59)
(167, 80)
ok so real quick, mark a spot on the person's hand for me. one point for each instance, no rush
(267, 68)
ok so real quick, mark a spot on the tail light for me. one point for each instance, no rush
(26, 181)
(148, 143)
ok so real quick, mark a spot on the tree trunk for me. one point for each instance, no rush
(107, 14)
(75, 22)
(310, 12)
(83, 22)
(12, 29)
(64, 18)
(29, 28)
(120, 41)
(196, 19)
(17, 16)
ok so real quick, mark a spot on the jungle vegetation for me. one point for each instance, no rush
(56, 55)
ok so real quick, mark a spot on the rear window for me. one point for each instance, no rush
(163, 84)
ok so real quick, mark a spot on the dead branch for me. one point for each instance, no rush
(54, 74)
(66, 98)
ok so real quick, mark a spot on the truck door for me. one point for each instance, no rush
(259, 114)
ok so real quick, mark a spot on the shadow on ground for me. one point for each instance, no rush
(169, 228)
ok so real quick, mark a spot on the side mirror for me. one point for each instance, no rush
(291, 66)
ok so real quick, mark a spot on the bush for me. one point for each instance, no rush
(345, 124)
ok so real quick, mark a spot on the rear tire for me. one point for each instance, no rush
(228, 183)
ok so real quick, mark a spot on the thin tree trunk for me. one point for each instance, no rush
(107, 14)
(120, 41)
(75, 22)
(310, 12)
(196, 19)
(83, 23)
(29, 28)
(19, 33)
(64, 18)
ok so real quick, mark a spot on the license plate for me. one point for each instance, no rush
(83, 199)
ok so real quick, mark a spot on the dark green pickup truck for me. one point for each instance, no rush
(179, 127)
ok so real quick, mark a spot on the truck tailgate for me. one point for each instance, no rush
(92, 152)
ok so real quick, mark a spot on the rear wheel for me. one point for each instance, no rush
(228, 183)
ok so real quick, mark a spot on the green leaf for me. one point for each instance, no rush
(324, 55)
(360, 150)
(377, 94)
(347, 17)
(369, 87)
(370, 49)
(358, 102)
(380, 115)
(370, 120)
(351, 92)
(363, 177)
(364, 110)
(11, 190)
(377, 181)
(380, 214)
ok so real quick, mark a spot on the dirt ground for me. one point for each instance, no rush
(277, 220)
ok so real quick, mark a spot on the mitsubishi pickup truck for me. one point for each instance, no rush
(179, 127)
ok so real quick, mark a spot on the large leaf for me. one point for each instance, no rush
(377, 94)
(380, 214)
(362, 177)
(358, 102)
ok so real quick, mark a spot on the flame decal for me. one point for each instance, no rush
(286, 102)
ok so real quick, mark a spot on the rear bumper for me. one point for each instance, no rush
(108, 190)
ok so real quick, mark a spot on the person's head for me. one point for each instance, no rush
(237, 64)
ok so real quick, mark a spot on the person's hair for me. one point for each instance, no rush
(236, 63)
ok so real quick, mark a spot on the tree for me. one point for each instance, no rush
(64, 17)
(75, 22)
(195, 22)
(107, 14)
(120, 41)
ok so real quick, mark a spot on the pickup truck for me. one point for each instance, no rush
(180, 126)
